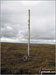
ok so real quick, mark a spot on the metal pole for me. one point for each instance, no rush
(29, 32)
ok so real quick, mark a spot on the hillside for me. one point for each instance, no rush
(12, 54)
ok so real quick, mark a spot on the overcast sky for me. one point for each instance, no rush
(14, 21)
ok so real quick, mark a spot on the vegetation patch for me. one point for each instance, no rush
(13, 54)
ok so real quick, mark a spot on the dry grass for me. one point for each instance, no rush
(12, 58)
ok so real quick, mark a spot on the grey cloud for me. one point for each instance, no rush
(15, 16)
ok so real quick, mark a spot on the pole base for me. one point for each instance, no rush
(27, 58)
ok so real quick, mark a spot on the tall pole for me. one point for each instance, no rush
(29, 32)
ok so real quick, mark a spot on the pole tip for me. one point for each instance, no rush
(29, 9)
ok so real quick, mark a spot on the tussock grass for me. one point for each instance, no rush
(12, 58)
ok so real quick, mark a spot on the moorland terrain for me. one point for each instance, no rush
(12, 54)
